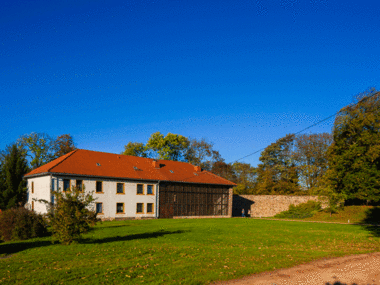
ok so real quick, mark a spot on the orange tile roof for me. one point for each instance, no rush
(101, 164)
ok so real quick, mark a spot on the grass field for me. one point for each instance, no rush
(354, 214)
(349, 214)
(179, 251)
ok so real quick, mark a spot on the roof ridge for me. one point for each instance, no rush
(68, 155)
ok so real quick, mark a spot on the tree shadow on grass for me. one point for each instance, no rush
(371, 221)
(131, 237)
(111, 226)
(15, 247)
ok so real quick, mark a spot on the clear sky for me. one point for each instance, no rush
(239, 73)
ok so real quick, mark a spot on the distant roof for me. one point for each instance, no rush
(101, 164)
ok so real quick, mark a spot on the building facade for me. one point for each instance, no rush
(127, 187)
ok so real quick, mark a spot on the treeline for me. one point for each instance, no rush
(27, 153)
(291, 165)
(343, 165)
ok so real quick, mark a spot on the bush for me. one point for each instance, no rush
(70, 216)
(301, 211)
(21, 223)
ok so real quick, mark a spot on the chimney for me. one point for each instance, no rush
(156, 164)
(197, 169)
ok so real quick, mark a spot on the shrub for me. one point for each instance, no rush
(70, 216)
(301, 211)
(21, 223)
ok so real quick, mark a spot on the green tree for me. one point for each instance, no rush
(245, 178)
(71, 215)
(354, 156)
(63, 145)
(171, 147)
(224, 170)
(135, 149)
(39, 147)
(13, 167)
(201, 152)
(266, 183)
(277, 172)
(310, 156)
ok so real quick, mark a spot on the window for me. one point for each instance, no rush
(140, 189)
(79, 184)
(119, 208)
(32, 187)
(32, 205)
(99, 208)
(149, 208)
(66, 184)
(140, 208)
(149, 189)
(120, 188)
(99, 187)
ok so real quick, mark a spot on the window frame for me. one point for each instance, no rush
(147, 187)
(142, 208)
(123, 184)
(101, 186)
(137, 189)
(118, 213)
(63, 186)
(96, 208)
(81, 185)
(151, 212)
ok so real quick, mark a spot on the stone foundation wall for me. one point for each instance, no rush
(267, 205)
(199, 217)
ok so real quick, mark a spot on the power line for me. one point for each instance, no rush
(313, 125)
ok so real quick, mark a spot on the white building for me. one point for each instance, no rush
(129, 187)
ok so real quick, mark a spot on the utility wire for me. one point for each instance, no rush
(313, 125)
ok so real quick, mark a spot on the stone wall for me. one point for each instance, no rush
(267, 205)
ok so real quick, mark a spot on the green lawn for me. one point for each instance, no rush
(354, 214)
(195, 251)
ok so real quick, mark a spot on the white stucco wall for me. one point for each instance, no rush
(110, 198)
(41, 191)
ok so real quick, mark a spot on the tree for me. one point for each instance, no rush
(310, 156)
(201, 152)
(176, 147)
(265, 184)
(39, 147)
(135, 149)
(277, 173)
(354, 156)
(245, 178)
(13, 167)
(70, 216)
(171, 147)
(224, 170)
(63, 145)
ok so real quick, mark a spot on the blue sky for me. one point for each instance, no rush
(238, 73)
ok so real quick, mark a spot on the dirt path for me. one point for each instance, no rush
(354, 269)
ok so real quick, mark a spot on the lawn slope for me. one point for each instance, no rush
(179, 251)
